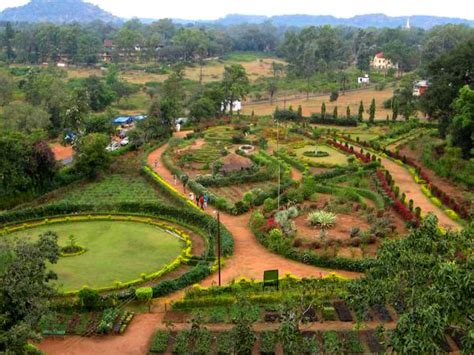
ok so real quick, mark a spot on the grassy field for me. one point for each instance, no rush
(111, 190)
(116, 251)
(334, 157)
(256, 65)
(313, 105)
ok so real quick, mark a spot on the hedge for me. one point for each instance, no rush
(187, 217)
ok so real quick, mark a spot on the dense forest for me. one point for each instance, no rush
(308, 50)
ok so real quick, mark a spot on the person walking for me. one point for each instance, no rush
(206, 199)
(201, 202)
(175, 180)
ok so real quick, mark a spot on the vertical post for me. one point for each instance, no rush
(219, 245)
(279, 165)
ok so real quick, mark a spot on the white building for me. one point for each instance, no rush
(363, 79)
(236, 106)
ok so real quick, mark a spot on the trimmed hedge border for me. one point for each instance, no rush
(191, 219)
(184, 255)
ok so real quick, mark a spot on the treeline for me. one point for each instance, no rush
(308, 50)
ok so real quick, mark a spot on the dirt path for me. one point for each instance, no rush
(404, 180)
(250, 259)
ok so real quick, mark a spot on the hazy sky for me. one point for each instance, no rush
(212, 9)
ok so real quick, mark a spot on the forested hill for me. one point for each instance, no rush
(57, 11)
(364, 21)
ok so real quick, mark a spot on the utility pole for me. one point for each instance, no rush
(219, 245)
(279, 165)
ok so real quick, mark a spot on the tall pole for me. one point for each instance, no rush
(219, 245)
(279, 165)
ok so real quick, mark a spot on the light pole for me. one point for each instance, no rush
(279, 165)
(218, 245)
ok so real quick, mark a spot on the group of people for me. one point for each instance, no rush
(201, 200)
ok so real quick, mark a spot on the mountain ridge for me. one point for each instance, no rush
(66, 11)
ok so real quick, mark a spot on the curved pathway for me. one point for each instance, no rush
(405, 181)
(249, 260)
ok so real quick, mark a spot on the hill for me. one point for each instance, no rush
(57, 11)
(363, 21)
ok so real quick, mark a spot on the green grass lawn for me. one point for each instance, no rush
(334, 157)
(112, 189)
(116, 251)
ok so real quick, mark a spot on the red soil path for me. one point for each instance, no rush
(407, 184)
(62, 152)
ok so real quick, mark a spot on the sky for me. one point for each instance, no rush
(213, 9)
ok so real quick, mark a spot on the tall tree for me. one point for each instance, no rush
(91, 158)
(235, 85)
(24, 289)
(395, 108)
(447, 75)
(361, 111)
(372, 111)
(462, 126)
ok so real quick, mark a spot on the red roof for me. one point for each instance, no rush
(379, 55)
(108, 43)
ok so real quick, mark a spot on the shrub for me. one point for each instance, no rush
(269, 205)
(160, 342)
(322, 218)
(88, 298)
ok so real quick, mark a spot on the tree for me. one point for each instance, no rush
(8, 86)
(25, 288)
(23, 117)
(202, 108)
(372, 111)
(428, 276)
(395, 108)
(78, 108)
(462, 126)
(447, 75)
(334, 96)
(348, 112)
(27, 167)
(8, 42)
(323, 110)
(235, 85)
(100, 95)
(334, 112)
(91, 158)
(361, 111)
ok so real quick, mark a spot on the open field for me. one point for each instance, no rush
(211, 71)
(116, 251)
(313, 105)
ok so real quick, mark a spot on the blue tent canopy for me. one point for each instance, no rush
(122, 120)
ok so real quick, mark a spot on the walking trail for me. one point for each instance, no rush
(405, 181)
(249, 260)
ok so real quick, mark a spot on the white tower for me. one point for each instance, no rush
(407, 26)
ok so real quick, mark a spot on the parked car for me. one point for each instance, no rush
(112, 146)
(124, 141)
